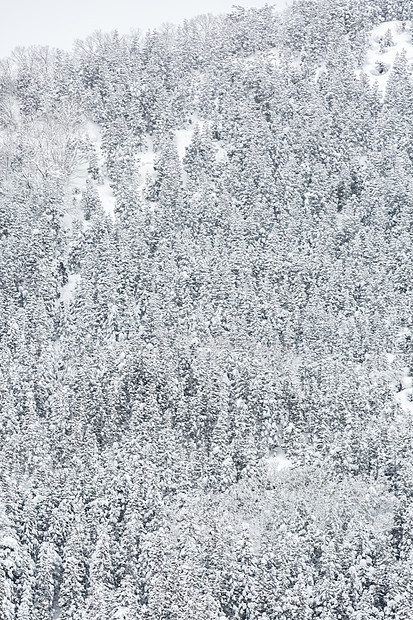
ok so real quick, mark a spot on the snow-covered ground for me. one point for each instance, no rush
(277, 463)
(9, 542)
(67, 291)
(321, 69)
(76, 183)
(273, 56)
(146, 161)
(183, 139)
(221, 154)
(106, 196)
(404, 397)
(387, 41)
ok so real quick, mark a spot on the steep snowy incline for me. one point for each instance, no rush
(387, 41)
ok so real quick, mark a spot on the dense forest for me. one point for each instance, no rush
(206, 320)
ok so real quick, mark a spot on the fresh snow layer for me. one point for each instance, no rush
(67, 291)
(146, 162)
(404, 399)
(107, 198)
(75, 183)
(9, 542)
(380, 58)
(79, 176)
(273, 56)
(122, 613)
(183, 139)
(105, 192)
(220, 153)
(277, 462)
(405, 396)
(320, 70)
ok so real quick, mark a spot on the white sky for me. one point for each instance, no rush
(59, 23)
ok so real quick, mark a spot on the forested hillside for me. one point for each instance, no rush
(206, 320)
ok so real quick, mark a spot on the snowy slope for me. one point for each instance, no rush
(106, 196)
(387, 41)
(67, 291)
(405, 396)
(183, 139)
(146, 161)
(277, 463)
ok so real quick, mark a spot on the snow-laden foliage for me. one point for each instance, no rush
(206, 298)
